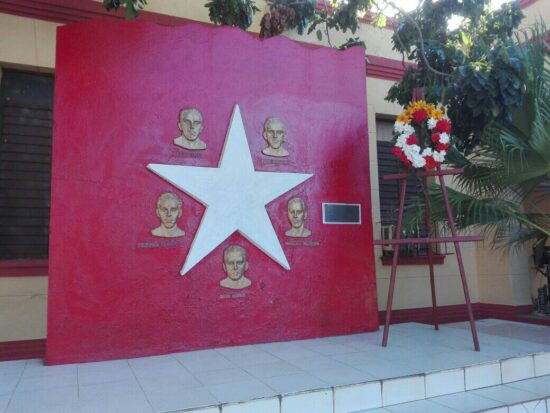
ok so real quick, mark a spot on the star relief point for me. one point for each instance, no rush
(235, 196)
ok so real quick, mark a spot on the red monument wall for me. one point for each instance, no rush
(114, 289)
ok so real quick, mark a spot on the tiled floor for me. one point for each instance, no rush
(527, 395)
(213, 377)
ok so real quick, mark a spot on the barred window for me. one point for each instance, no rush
(26, 101)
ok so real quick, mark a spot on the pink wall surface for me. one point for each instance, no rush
(119, 88)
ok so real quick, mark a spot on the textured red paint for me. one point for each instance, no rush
(116, 108)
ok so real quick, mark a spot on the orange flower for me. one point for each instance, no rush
(403, 118)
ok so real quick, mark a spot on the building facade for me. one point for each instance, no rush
(500, 282)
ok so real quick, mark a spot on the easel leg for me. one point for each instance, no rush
(430, 252)
(460, 264)
(402, 191)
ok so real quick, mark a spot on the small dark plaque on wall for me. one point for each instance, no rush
(341, 213)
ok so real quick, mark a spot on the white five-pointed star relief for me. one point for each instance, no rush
(235, 196)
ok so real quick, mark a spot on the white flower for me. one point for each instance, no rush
(439, 156)
(399, 127)
(431, 123)
(401, 140)
(411, 150)
(408, 129)
(427, 152)
(418, 161)
(444, 138)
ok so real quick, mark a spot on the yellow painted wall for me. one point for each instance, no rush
(23, 308)
(27, 43)
(537, 11)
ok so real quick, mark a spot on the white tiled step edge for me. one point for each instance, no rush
(400, 391)
(526, 396)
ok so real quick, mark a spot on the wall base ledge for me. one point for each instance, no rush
(26, 349)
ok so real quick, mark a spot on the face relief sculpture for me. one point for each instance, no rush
(297, 213)
(190, 125)
(235, 264)
(169, 211)
(275, 136)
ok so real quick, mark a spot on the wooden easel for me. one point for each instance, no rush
(430, 240)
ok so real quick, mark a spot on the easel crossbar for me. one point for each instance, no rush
(465, 238)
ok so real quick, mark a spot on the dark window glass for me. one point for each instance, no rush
(26, 101)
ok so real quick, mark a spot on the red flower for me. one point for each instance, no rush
(443, 126)
(442, 147)
(408, 164)
(397, 151)
(419, 115)
(431, 163)
(436, 137)
(411, 140)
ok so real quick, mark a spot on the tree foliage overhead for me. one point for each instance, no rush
(236, 13)
(507, 175)
(476, 70)
(131, 7)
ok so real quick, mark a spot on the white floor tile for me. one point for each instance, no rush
(272, 405)
(4, 400)
(287, 351)
(180, 398)
(295, 383)
(203, 360)
(8, 384)
(542, 364)
(505, 394)
(12, 367)
(539, 386)
(386, 370)
(358, 397)
(137, 403)
(421, 406)
(150, 384)
(236, 392)
(466, 402)
(444, 382)
(361, 357)
(330, 349)
(518, 368)
(537, 406)
(247, 355)
(318, 402)
(33, 399)
(215, 409)
(104, 372)
(263, 371)
(46, 407)
(108, 390)
(342, 376)
(44, 382)
(36, 369)
(483, 375)
(211, 378)
(503, 409)
(403, 390)
(174, 370)
(316, 363)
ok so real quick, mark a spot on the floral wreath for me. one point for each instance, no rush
(422, 136)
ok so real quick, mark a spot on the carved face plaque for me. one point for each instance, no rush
(190, 125)
(275, 136)
(169, 210)
(235, 264)
(297, 213)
